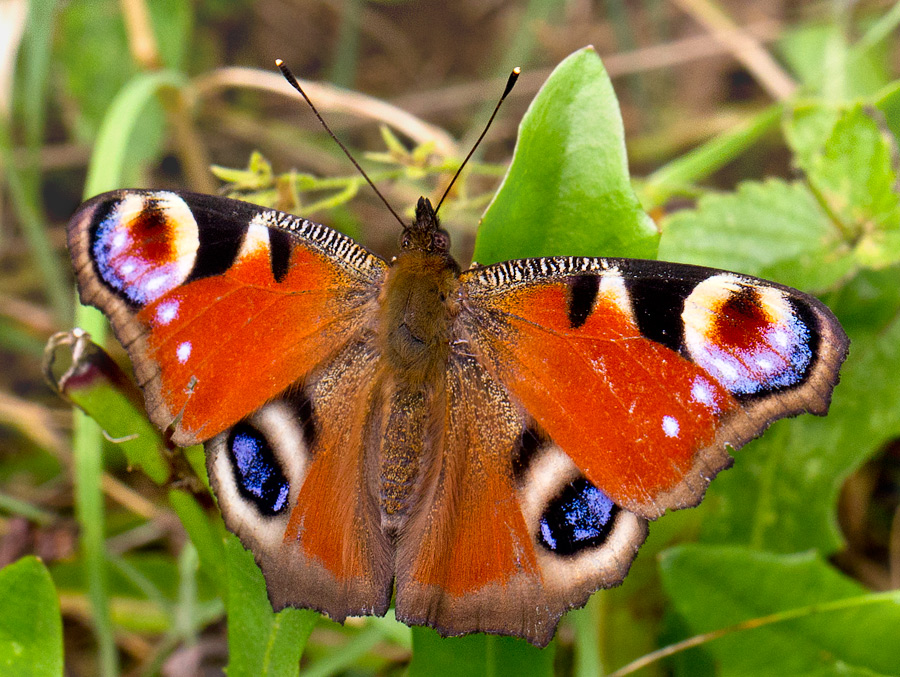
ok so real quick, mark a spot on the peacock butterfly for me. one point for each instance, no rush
(490, 442)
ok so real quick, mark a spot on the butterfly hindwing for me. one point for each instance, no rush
(221, 304)
(308, 454)
(644, 372)
(508, 534)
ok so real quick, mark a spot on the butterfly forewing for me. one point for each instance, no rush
(643, 372)
(197, 288)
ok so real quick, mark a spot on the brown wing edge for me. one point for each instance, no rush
(129, 332)
(812, 396)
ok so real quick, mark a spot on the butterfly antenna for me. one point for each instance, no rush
(509, 85)
(286, 72)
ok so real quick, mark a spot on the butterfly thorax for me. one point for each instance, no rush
(418, 304)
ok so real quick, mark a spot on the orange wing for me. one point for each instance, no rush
(221, 304)
(643, 372)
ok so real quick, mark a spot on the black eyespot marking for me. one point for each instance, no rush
(304, 407)
(580, 517)
(219, 243)
(280, 247)
(658, 304)
(527, 446)
(582, 294)
(257, 473)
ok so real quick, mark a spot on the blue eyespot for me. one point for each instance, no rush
(580, 517)
(258, 475)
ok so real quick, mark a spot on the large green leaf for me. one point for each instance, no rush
(773, 229)
(834, 622)
(30, 622)
(476, 655)
(567, 191)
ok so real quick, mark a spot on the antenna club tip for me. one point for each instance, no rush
(279, 63)
(517, 70)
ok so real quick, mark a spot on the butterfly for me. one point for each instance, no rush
(489, 443)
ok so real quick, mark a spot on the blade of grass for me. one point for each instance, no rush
(589, 627)
(104, 173)
(343, 69)
(88, 466)
(32, 223)
(342, 659)
(110, 151)
(16, 506)
(36, 52)
(878, 31)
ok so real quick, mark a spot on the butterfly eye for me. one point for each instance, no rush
(259, 462)
(405, 241)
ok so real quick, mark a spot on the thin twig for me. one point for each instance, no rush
(891, 596)
(141, 40)
(331, 99)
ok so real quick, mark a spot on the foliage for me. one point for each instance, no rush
(767, 527)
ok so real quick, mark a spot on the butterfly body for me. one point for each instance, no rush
(489, 443)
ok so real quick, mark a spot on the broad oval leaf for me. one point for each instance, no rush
(567, 191)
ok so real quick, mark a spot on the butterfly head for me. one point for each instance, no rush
(425, 233)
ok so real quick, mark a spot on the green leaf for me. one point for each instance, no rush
(31, 640)
(807, 129)
(113, 148)
(477, 655)
(96, 384)
(567, 191)
(782, 492)
(773, 229)
(888, 102)
(828, 620)
(260, 642)
(828, 66)
(855, 178)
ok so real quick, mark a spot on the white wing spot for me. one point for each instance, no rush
(166, 312)
(670, 426)
(154, 284)
(700, 392)
(725, 368)
(183, 352)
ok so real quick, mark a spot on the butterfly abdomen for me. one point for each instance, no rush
(417, 309)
